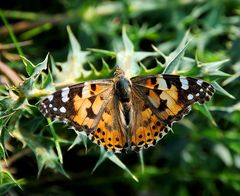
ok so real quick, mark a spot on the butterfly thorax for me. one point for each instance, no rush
(122, 89)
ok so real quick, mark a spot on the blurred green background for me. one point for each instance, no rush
(202, 157)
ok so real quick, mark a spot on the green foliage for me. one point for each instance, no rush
(199, 39)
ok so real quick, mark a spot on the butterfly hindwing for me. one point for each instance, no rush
(146, 129)
(110, 131)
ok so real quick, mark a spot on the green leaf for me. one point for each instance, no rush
(28, 88)
(221, 90)
(44, 152)
(56, 140)
(128, 59)
(102, 158)
(229, 109)
(141, 160)
(33, 70)
(237, 160)
(204, 110)
(29, 65)
(213, 68)
(7, 182)
(232, 78)
(120, 164)
(104, 52)
(48, 81)
(80, 138)
(111, 156)
(40, 67)
(72, 70)
(46, 157)
(174, 59)
(2, 153)
(224, 154)
(128, 45)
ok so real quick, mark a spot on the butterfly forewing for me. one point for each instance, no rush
(171, 96)
(79, 105)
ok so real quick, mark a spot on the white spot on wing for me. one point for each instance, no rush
(184, 82)
(190, 97)
(86, 91)
(50, 105)
(63, 109)
(55, 109)
(65, 92)
(50, 97)
(162, 83)
(199, 82)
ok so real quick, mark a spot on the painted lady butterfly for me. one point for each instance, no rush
(122, 113)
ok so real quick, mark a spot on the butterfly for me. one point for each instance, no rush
(124, 113)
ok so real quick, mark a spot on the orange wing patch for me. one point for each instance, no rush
(109, 133)
(146, 127)
(149, 130)
(81, 106)
(171, 102)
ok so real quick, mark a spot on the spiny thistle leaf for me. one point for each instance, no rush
(7, 182)
(173, 61)
(44, 153)
(39, 67)
(72, 70)
(105, 72)
(80, 138)
(204, 110)
(103, 52)
(213, 68)
(56, 141)
(221, 90)
(28, 88)
(29, 65)
(111, 156)
(128, 59)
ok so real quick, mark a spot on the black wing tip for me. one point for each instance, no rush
(207, 93)
(43, 107)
